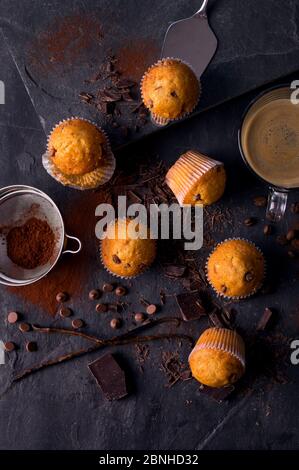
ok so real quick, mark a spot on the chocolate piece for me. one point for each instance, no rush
(190, 305)
(120, 291)
(102, 308)
(216, 319)
(62, 297)
(115, 323)
(65, 312)
(24, 327)
(9, 346)
(107, 287)
(174, 271)
(151, 309)
(249, 276)
(77, 323)
(139, 317)
(12, 317)
(218, 394)
(260, 201)
(31, 346)
(186, 375)
(265, 319)
(110, 377)
(116, 259)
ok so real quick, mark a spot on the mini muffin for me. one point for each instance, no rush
(170, 89)
(218, 359)
(196, 179)
(236, 268)
(122, 254)
(79, 154)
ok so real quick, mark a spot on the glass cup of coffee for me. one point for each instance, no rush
(269, 144)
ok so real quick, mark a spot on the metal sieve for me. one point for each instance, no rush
(17, 205)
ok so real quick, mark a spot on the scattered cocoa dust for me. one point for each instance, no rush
(135, 57)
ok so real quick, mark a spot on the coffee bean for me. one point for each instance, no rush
(120, 291)
(62, 297)
(31, 346)
(107, 287)
(151, 309)
(291, 235)
(101, 308)
(9, 346)
(260, 201)
(12, 317)
(267, 230)
(115, 323)
(65, 312)
(139, 317)
(282, 240)
(77, 323)
(94, 294)
(295, 208)
(24, 327)
(250, 221)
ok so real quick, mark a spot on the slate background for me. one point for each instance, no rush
(62, 408)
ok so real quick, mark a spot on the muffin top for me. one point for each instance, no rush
(212, 365)
(124, 255)
(236, 268)
(76, 147)
(170, 89)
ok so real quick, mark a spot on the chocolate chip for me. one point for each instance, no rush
(107, 287)
(9, 346)
(116, 259)
(260, 201)
(139, 317)
(250, 221)
(77, 323)
(94, 294)
(151, 309)
(120, 291)
(115, 323)
(24, 327)
(173, 93)
(102, 308)
(65, 312)
(31, 346)
(249, 276)
(291, 234)
(267, 230)
(282, 240)
(62, 297)
(12, 317)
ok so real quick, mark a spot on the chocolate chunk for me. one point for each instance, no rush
(115, 323)
(218, 394)
(265, 319)
(107, 287)
(24, 327)
(151, 309)
(102, 308)
(12, 317)
(216, 319)
(110, 377)
(120, 291)
(77, 323)
(65, 312)
(139, 317)
(260, 201)
(9, 346)
(190, 305)
(62, 297)
(267, 230)
(250, 221)
(94, 294)
(173, 270)
(31, 346)
(116, 259)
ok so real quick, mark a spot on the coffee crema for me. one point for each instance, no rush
(270, 138)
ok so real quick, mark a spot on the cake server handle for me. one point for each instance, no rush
(203, 9)
(277, 203)
(73, 252)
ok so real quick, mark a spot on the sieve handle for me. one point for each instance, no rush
(73, 252)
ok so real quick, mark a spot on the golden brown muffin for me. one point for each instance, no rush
(236, 268)
(76, 147)
(218, 359)
(123, 255)
(196, 179)
(170, 89)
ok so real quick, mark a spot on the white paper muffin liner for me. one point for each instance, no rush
(97, 177)
(237, 297)
(225, 340)
(158, 120)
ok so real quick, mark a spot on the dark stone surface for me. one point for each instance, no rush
(61, 408)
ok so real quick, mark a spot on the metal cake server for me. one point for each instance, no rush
(191, 40)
